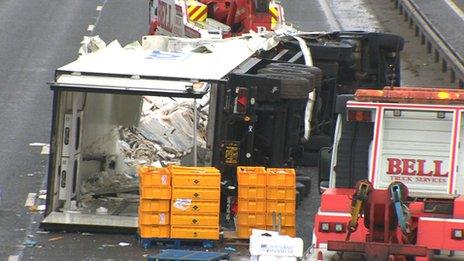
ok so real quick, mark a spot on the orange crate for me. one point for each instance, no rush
(280, 177)
(188, 206)
(152, 176)
(155, 192)
(147, 231)
(195, 220)
(288, 220)
(153, 218)
(187, 232)
(196, 193)
(196, 180)
(248, 193)
(280, 193)
(251, 176)
(245, 205)
(182, 169)
(282, 206)
(288, 231)
(251, 219)
(158, 205)
(245, 231)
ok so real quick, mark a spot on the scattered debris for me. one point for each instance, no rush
(55, 238)
(230, 249)
(45, 150)
(44, 197)
(102, 211)
(30, 243)
(124, 244)
(30, 174)
(41, 207)
(108, 245)
(86, 234)
(30, 201)
(42, 232)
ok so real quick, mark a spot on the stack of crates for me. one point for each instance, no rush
(251, 210)
(155, 195)
(195, 202)
(280, 200)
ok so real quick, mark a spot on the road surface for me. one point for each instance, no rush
(39, 36)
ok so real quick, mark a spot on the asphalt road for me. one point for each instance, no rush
(39, 36)
(35, 38)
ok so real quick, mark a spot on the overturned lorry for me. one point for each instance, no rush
(249, 100)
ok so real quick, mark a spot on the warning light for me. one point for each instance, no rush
(411, 95)
(362, 116)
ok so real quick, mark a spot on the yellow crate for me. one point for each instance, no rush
(196, 180)
(288, 231)
(152, 176)
(153, 218)
(282, 206)
(147, 231)
(251, 176)
(188, 206)
(195, 220)
(173, 169)
(245, 205)
(155, 192)
(280, 177)
(187, 232)
(196, 193)
(288, 220)
(251, 219)
(249, 193)
(157, 205)
(245, 231)
(280, 193)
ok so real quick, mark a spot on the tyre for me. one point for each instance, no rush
(294, 66)
(291, 86)
(294, 72)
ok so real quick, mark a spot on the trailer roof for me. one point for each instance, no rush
(169, 57)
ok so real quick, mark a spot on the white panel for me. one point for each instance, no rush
(416, 151)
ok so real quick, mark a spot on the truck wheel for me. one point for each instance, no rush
(292, 87)
(295, 66)
(294, 72)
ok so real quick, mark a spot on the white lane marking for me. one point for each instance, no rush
(90, 28)
(455, 8)
(97, 19)
(329, 14)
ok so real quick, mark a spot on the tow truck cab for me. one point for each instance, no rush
(398, 134)
(213, 19)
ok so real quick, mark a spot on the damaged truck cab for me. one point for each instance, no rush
(117, 108)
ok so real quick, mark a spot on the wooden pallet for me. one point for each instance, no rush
(174, 243)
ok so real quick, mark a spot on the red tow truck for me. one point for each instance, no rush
(213, 19)
(396, 180)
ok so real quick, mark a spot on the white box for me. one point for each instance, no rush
(276, 245)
